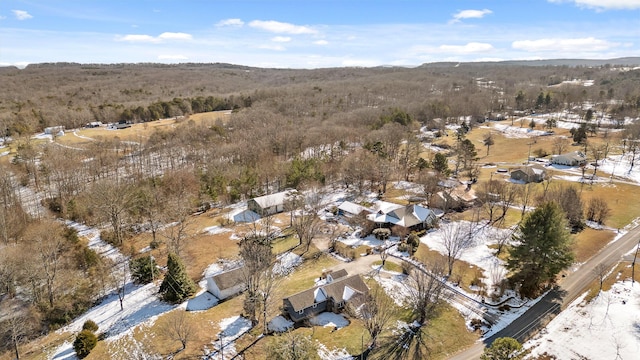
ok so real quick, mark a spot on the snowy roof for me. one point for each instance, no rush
(405, 216)
(273, 199)
(578, 155)
(353, 208)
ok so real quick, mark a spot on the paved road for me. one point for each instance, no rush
(572, 286)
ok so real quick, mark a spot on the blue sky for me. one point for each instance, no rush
(315, 33)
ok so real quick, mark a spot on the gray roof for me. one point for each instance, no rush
(338, 274)
(406, 216)
(339, 290)
(229, 279)
(531, 170)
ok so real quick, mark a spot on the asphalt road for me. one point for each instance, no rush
(571, 286)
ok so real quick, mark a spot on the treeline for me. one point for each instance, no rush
(181, 107)
(109, 93)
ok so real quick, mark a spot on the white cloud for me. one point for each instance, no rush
(165, 36)
(21, 14)
(231, 22)
(470, 48)
(172, 57)
(321, 42)
(175, 36)
(137, 38)
(470, 14)
(281, 39)
(565, 45)
(604, 4)
(281, 28)
(272, 47)
(2, 17)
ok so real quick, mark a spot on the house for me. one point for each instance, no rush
(528, 174)
(227, 284)
(456, 196)
(349, 209)
(269, 204)
(414, 217)
(54, 130)
(339, 289)
(575, 158)
(93, 124)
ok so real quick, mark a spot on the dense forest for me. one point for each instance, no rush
(354, 127)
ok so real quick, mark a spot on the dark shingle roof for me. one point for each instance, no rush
(334, 290)
(229, 279)
(338, 274)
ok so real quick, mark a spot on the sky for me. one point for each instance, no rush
(315, 33)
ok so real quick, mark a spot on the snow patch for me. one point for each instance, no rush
(329, 319)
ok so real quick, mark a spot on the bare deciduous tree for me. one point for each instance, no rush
(178, 327)
(600, 271)
(426, 295)
(560, 144)
(305, 220)
(112, 202)
(456, 238)
(597, 210)
(376, 313)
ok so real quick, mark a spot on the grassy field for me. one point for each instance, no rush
(462, 271)
(137, 132)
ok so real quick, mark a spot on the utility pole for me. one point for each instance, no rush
(633, 264)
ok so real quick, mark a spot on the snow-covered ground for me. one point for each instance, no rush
(335, 354)
(280, 324)
(608, 327)
(619, 166)
(230, 330)
(518, 132)
(140, 306)
(479, 253)
(329, 319)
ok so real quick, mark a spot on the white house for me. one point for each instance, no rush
(410, 216)
(54, 130)
(575, 158)
(269, 204)
(227, 284)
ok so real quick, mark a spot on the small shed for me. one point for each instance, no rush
(269, 204)
(227, 284)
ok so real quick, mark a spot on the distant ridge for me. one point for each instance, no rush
(625, 61)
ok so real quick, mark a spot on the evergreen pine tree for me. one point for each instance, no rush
(176, 286)
(504, 348)
(143, 269)
(543, 248)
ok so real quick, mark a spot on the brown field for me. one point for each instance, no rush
(589, 241)
(462, 270)
(137, 132)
